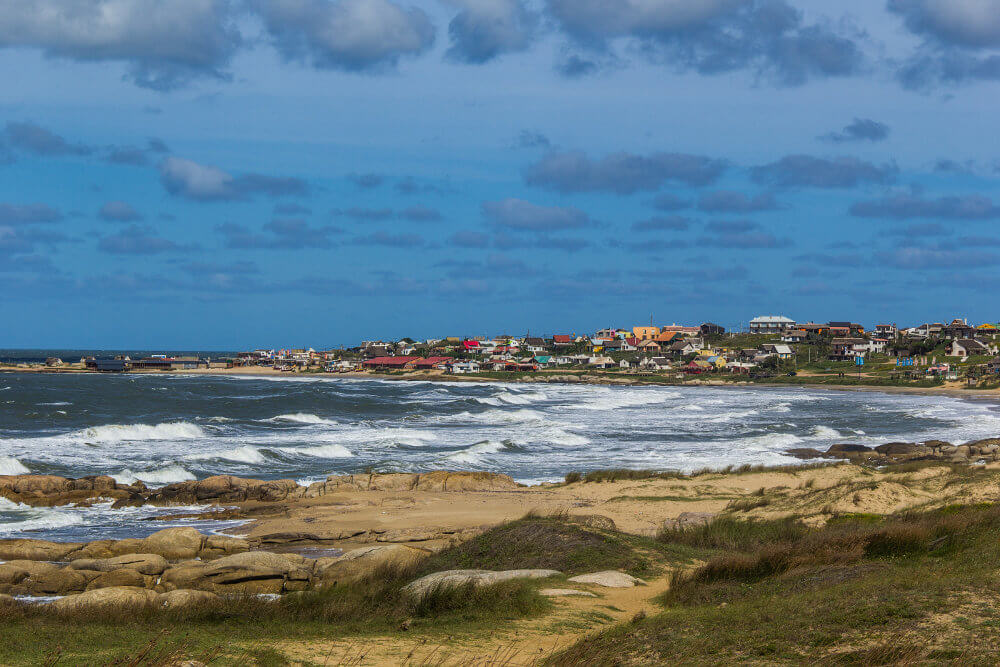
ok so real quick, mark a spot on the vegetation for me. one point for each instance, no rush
(626, 474)
(917, 587)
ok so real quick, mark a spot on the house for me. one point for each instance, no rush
(656, 363)
(848, 349)
(711, 329)
(698, 366)
(390, 363)
(645, 333)
(966, 347)
(878, 345)
(718, 362)
(625, 364)
(887, 331)
(771, 324)
(433, 362)
(543, 360)
(777, 350)
(958, 329)
(562, 340)
(685, 347)
(649, 346)
(463, 367)
(601, 362)
(621, 345)
(342, 366)
(814, 329)
(740, 366)
(794, 336)
(925, 330)
(680, 329)
(666, 338)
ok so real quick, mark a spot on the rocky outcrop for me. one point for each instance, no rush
(119, 597)
(152, 564)
(168, 544)
(431, 481)
(987, 450)
(254, 573)
(451, 578)
(26, 549)
(357, 563)
(184, 599)
(223, 489)
(51, 490)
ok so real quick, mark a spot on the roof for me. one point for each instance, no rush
(560, 338)
(772, 319)
(841, 325)
(434, 361)
(848, 341)
(390, 361)
(969, 342)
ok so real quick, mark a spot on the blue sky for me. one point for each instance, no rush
(235, 173)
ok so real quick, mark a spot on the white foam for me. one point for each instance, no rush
(512, 399)
(27, 518)
(165, 475)
(244, 454)
(825, 432)
(11, 466)
(113, 433)
(57, 403)
(301, 418)
(330, 451)
(474, 454)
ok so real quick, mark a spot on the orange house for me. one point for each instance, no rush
(646, 333)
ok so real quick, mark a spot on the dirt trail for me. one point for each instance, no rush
(525, 642)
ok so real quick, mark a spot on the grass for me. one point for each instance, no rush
(546, 542)
(911, 588)
(627, 474)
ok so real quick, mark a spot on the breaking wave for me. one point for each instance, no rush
(11, 466)
(331, 451)
(244, 454)
(474, 454)
(166, 475)
(302, 418)
(113, 433)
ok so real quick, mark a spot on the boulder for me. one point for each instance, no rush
(846, 449)
(358, 563)
(450, 578)
(804, 453)
(121, 577)
(222, 545)
(598, 521)
(688, 519)
(223, 488)
(152, 564)
(23, 549)
(59, 581)
(118, 598)
(184, 599)
(608, 579)
(903, 450)
(174, 543)
(51, 490)
(252, 572)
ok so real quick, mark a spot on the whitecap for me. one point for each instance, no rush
(825, 432)
(245, 454)
(330, 451)
(11, 466)
(56, 403)
(301, 418)
(112, 433)
(474, 454)
(26, 518)
(166, 475)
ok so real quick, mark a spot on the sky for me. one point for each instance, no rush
(230, 174)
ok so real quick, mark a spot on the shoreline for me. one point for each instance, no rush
(583, 377)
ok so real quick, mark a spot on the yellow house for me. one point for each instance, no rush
(645, 333)
(717, 361)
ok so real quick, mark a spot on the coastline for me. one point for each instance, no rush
(954, 389)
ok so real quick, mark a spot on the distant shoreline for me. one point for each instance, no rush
(566, 377)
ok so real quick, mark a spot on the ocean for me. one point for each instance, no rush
(170, 428)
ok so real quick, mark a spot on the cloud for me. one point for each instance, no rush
(674, 222)
(810, 171)
(860, 129)
(650, 245)
(366, 181)
(351, 35)
(574, 66)
(164, 44)
(529, 139)
(916, 231)
(36, 139)
(281, 234)
(369, 214)
(621, 173)
(669, 202)
(740, 235)
(521, 215)
(118, 211)
(28, 214)
(731, 226)
(191, 180)
(391, 240)
(409, 186)
(136, 240)
(466, 239)
(902, 206)
(940, 257)
(15, 240)
(291, 209)
(728, 201)
(955, 34)
(830, 260)
(208, 268)
(486, 29)
(766, 37)
(134, 155)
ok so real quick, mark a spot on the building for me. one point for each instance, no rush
(391, 363)
(967, 347)
(463, 367)
(848, 349)
(887, 331)
(433, 362)
(777, 350)
(794, 336)
(711, 329)
(771, 324)
(645, 333)
(845, 329)
(958, 329)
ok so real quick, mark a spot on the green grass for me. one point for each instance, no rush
(626, 474)
(861, 590)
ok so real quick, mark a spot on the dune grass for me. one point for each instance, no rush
(628, 474)
(913, 588)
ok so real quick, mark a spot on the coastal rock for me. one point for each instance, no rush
(608, 579)
(122, 577)
(254, 572)
(564, 592)
(847, 450)
(52, 490)
(25, 549)
(223, 489)
(805, 453)
(58, 581)
(185, 599)
(174, 543)
(152, 564)
(222, 545)
(688, 519)
(358, 563)
(117, 598)
(903, 449)
(450, 578)
(431, 481)
(596, 521)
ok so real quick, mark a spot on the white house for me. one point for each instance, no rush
(771, 324)
(965, 347)
(776, 350)
(463, 367)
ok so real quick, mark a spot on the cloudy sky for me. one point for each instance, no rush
(232, 173)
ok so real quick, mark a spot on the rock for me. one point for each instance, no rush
(120, 597)
(120, 577)
(564, 592)
(688, 519)
(608, 579)
(11, 574)
(174, 543)
(358, 563)
(962, 452)
(183, 599)
(804, 453)
(450, 578)
(225, 489)
(153, 564)
(51, 490)
(59, 581)
(23, 549)
(842, 450)
(222, 545)
(903, 449)
(7, 601)
(252, 572)
(431, 481)
(598, 521)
